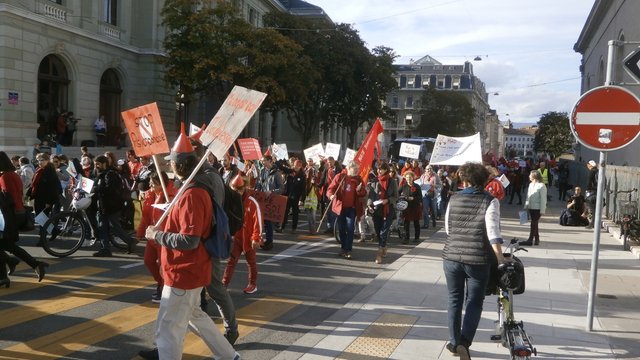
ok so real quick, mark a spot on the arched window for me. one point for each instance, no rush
(53, 87)
(110, 91)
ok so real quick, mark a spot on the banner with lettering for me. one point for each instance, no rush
(272, 206)
(449, 150)
(231, 118)
(279, 151)
(145, 129)
(250, 149)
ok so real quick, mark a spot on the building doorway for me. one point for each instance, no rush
(110, 93)
(53, 95)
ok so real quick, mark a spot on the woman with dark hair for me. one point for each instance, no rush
(45, 188)
(14, 216)
(381, 203)
(472, 223)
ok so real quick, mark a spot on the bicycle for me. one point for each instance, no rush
(509, 331)
(627, 211)
(65, 231)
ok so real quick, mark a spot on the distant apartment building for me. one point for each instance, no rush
(609, 20)
(428, 72)
(519, 142)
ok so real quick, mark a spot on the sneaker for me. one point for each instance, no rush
(231, 336)
(157, 296)
(149, 354)
(250, 289)
(102, 253)
(348, 255)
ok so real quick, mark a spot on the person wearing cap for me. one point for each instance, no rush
(247, 239)
(186, 264)
(108, 190)
(346, 191)
(295, 190)
(270, 181)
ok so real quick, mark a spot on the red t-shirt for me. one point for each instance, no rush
(349, 192)
(191, 215)
(11, 183)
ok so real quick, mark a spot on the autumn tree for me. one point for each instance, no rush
(445, 112)
(554, 134)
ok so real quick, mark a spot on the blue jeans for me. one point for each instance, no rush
(108, 225)
(476, 278)
(429, 203)
(268, 232)
(346, 226)
(331, 219)
(382, 228)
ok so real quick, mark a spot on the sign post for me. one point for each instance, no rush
(605, 118)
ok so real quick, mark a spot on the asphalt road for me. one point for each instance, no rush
(100, 308)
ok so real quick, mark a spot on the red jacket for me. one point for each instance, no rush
(11, 183)
(337, 188)
(251, 230)
(150, 214)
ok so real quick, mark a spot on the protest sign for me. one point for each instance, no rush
(272, 206)
(233, 116)
(456, 150)
(86, 184)
(239, 164)
(316, 152)
(410, 151)
(145, 129)
(332, 150)
(279, 151)
(250, 149)
(349, 154)
(71, 169)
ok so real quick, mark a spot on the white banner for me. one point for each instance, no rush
(410, 151)
(279, 151)
(233, 116)
(86, 185)
(316, 152)
(349, 154)
(456, 150)
(332, 150)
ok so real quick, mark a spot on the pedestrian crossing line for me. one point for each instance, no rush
(75, 338)
(72, 300)
(250, 318)
(24, 283)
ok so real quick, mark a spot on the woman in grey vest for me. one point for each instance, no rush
(472, 223)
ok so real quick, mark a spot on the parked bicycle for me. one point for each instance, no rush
(66, 231)
(627, 218)
(510, 282)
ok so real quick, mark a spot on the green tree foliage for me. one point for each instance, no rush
(445, 112)
(205, 45)
(554, 134)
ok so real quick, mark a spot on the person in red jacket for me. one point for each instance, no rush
(150, 216)
(247, 239)
(185, 263)
(347, 191)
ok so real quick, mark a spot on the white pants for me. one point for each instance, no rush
(179, 311)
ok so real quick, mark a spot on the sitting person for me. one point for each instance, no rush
(576, 212)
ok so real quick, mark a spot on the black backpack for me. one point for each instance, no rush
(234, 209)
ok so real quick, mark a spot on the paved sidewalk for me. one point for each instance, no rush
(402, 314)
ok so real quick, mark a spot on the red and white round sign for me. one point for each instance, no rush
(606, 118)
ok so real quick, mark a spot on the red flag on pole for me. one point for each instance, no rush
(364, 156)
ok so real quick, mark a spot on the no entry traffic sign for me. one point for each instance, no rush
(606, 118)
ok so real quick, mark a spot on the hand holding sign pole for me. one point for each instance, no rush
(224, 128)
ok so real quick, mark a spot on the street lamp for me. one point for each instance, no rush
(179, 106)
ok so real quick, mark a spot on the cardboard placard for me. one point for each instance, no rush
(145, 129)
(272, 207)
(316, 152)
(410, 151)
(349, 154)
(250, 149)
(332, 150)
(279, 151)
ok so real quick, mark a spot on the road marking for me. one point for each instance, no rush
(75, 338)
(130, 266)
(72, 300)
(250, 318)
(18, 285)
(300, 248)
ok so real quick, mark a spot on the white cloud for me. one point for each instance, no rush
(521, 43)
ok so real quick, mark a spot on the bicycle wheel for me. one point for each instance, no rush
(63, 234)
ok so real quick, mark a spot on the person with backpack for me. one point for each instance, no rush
(185, 262)
(247, 239)
(110, 204)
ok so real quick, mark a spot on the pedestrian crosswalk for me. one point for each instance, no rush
(99, 322)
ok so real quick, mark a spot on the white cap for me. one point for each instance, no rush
(592, 163)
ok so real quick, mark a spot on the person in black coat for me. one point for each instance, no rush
(45, 186)
(295, 190)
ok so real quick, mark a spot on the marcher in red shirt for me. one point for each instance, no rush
(346, 191)
(247, 239)
(185, 263)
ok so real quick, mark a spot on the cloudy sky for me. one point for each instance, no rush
(528, 64)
